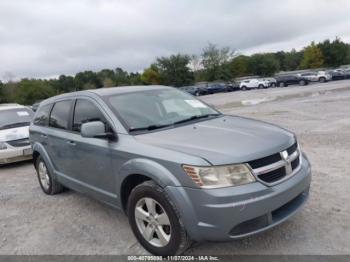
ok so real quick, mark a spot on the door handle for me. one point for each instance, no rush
(72, 143)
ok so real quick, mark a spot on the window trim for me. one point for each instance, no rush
(69, 128)
(98, 106)
(50, 105)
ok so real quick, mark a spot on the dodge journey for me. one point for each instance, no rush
(181, 170)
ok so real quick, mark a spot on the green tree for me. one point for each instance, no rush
(121, 77)
(87, 80)
(263, 64)
(150, 76)
(334, 53)
(174, 70)
(29, 91)
(216, 62)
(292, 60)
(240, 66)
(312, 57)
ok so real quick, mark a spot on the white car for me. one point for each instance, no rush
(320, 76)
(14, 133)
(254, 83)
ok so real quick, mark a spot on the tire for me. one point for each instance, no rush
(273, 85)
(197, 93)
(261, 86)
(302, 82)
(47, 183)
(281, 84)
(244, 88)
(322, 80)
(178, 240)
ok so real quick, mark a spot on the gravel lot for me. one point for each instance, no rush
(71, 223)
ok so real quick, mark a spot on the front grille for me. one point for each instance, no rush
(295, 163)
(19, 142)
(292, 148)
(275, 167)
(274, 175)
(265, 161)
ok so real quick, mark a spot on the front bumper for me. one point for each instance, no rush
(235, 212)
(15, 154)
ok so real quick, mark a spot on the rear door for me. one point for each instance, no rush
(57, 135)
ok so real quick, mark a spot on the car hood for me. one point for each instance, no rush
(14, 133)
(223, 140)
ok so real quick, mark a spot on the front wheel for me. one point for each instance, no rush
(281, 84)
(155, 221)
(302, 82)
(273, 85)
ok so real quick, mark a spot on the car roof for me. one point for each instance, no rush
(106, 91)
(10, 106)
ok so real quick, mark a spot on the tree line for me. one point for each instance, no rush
(213, 64)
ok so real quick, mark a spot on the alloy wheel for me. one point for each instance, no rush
(153, 222)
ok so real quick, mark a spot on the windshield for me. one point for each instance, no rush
(12, 118)
(153, 109)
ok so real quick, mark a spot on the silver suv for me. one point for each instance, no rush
(178, 168)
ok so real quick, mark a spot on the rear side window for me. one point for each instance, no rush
(42, 116)
(85, 111)
(59, 117)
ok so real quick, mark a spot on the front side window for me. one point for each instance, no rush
(42, 116)
(85, 111)
(152, 109)
(13, 118)
(59, 117)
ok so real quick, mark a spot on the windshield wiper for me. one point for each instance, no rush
(148, 128)
(194, 118)
(153, 127)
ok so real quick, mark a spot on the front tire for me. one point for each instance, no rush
(302, 82)
(322, 80)
(155, 221)
(281, 84)
(47, 183)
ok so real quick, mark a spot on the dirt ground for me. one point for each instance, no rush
(70, 223)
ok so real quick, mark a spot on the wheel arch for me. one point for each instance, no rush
(39, 150)
(137, 171)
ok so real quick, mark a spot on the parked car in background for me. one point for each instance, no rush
(287, 80)
(179, 169)
(194, 90)
(254, 84)
(14, 133)
(337, 74)
(271, 82)
(213, 88)
(232, 86)
(320, 76)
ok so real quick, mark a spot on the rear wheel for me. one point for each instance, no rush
(322, 79)
(302, 82)
(197, 93)
(244, 88)
(155, 221)
(261, 86)
(273, 85)
(47, 183)
(281, 84)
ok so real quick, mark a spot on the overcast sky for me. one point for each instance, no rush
(45, 38)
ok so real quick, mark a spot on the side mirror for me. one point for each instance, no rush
(96, 129)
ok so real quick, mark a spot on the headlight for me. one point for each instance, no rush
(3, 146)
(219, 176)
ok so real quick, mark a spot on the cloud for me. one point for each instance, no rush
(41, 38)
